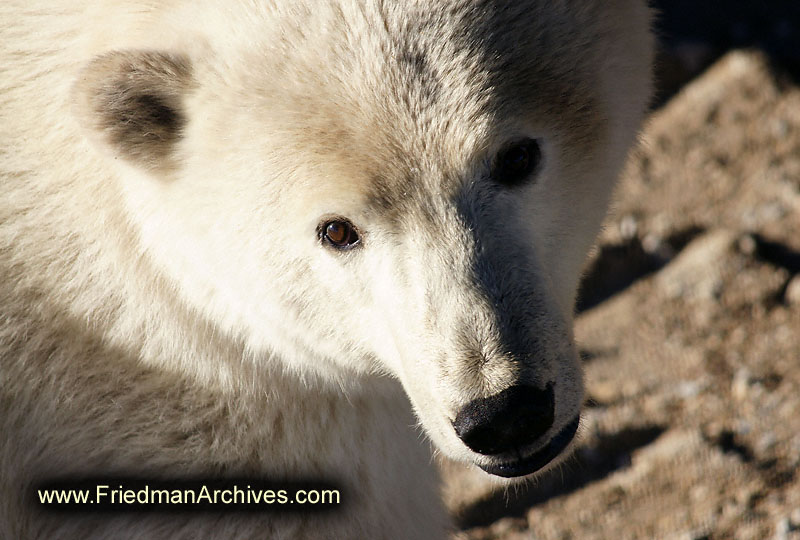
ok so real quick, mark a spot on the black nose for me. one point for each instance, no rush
(508, 421)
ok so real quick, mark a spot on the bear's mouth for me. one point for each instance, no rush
(532, 463)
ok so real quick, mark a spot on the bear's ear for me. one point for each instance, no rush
(133, 102)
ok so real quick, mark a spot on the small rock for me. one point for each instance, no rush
(743, 427)
(688, 389)
(740, 384)
(783, 529)
(653, 244)
(780, 128)
(747, 245)
(792, 294)
(605, 392)
(699, 493)
(766, 442)
(746, 496)
(794, 519)
(628, 227)
(693, 535)
(505, 527)
(695, 272)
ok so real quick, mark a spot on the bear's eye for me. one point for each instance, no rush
(339, 233)
(517, 162)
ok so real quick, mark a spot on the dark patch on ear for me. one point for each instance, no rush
(134, 101)
(143, 121)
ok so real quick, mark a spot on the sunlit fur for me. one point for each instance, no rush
(166, 304)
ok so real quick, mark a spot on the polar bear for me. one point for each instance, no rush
(285, 239)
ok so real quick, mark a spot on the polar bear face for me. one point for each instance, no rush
(406, 191)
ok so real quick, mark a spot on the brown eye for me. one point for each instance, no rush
(339, 234)
(516, 163)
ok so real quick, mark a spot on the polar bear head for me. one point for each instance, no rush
(406, 189)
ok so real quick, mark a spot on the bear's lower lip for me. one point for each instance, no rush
(537, 460)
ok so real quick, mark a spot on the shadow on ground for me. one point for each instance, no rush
(592, 462)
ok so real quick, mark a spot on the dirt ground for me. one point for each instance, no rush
(690, 332)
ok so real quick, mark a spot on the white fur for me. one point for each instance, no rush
(182, 317)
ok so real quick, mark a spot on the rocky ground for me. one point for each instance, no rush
(690, 331)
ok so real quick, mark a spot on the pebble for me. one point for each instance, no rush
(788, 528)
(794, 519)
(695, 272)
(740, 384)
(766, 443)
(792, 294)
(783, 529)
(628, 228)
(747, 245)
(689, 389)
